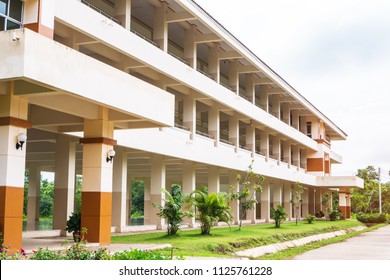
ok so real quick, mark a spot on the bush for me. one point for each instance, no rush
(334, 215)
(375, 218)
(310, 218)
(279, 215)
(320, 214)
(139, 255)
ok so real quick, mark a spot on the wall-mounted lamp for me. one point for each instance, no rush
(22, 137)
(15, 36)
(110, 155)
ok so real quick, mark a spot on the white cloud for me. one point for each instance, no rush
(335, 53)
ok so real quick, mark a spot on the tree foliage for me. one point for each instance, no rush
(366, 200)
(137, 194)
(172, 211)
(249, 184)
(296, 198)
(279, 215)
(210, 208)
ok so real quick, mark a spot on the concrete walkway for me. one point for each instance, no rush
(373, 245)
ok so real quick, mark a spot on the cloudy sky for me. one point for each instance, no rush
(336, 54)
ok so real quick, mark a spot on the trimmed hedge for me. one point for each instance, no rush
(375, 218)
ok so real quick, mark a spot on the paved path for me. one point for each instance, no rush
(373, 245)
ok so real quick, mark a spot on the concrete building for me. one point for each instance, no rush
(177, 97)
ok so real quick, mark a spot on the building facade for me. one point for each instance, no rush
(177, 97)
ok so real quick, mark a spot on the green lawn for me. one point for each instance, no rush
(224, 241)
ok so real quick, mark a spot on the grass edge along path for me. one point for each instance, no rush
(224, 241)
(292, 252)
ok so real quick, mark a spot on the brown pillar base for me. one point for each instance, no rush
(11, 214)
(346, 211)
(96, 216)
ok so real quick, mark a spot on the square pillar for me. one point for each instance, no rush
(33, 203)
(213, 179)
(189, 115)
(13, 121)
(278, 188)
(119, 190)
(147, 202)
(312, 201)
(234, 205)
(287, 201)
(64, 181)
(160, 26)
(96, 207)
(214, 65)
(234, 82)
(251, 139)
(234, 131)
(189, 182)
(34, 20)
(318, 196)
(265, 202)
(213, 128)
(122, 11)
(305, 203)
(157, 183)
(190, 46)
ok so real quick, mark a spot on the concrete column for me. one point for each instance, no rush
(147, 202)
(234, 82)
(264, 144)
(276, 147)
(213, 179)
(295, 119)
(264, 98)
(13, 121)
(235, 205)
(190, 54)
(250, 87)
(287, 201)
(157, 183)
(305, 203)
(276, 105)
(285, 108)
(64, 181)
(189, 114)
(265, 202)
(318, 195)
(97, 178)
(251, 139)
(214, 128)
(234, 132)
(189, 182)
(345, 204)
(278, 188)
(160, 26)
(312, 201)
(119, 190)
(296, 159)
(129, 201)
(214, 63)
(33, 204)
(34, 19)
(122, 12)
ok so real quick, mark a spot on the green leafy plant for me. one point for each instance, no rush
(74, 225)
(172, 209)
(334, 215)
(320, 214)
(279, 215)
(245, 197)
(296, 193)
(372, 218)
(211, 208)
(310, 218)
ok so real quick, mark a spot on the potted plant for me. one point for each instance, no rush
(74, 225)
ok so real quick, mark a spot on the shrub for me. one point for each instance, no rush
(334, 215)
(139, 255)
(74, 225)
(279, 215)
(320, 214)
(310, 218)
(374, 218)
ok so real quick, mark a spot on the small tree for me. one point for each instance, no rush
(211, 208)
(172, 209)
(279, 215)
(245, 198)
(296, 192)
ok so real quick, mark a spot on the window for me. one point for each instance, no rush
(308, 129)
(11, 12)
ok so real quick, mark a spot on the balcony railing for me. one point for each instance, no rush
(182, 127)
(100, 11)
(204, 134)
(204, 73)
(178, 58)
(226, 142)
(144, 37)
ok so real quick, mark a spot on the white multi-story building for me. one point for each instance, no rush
(178, 97)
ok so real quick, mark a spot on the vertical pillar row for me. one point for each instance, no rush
(119, 190)
(157, 184)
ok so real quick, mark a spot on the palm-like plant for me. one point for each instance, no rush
(172, 209)
(211, 208)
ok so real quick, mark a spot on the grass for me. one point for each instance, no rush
(222, 242)
(292, 252)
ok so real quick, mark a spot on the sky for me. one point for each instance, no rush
(334, 53)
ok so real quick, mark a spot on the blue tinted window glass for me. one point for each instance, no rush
(3, 7)
(15, 10)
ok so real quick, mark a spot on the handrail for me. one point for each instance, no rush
(204, 134)
(178, 58)
(100, 11)
(226, 142)
(181, 126)
(144, 37)
(204, 73)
